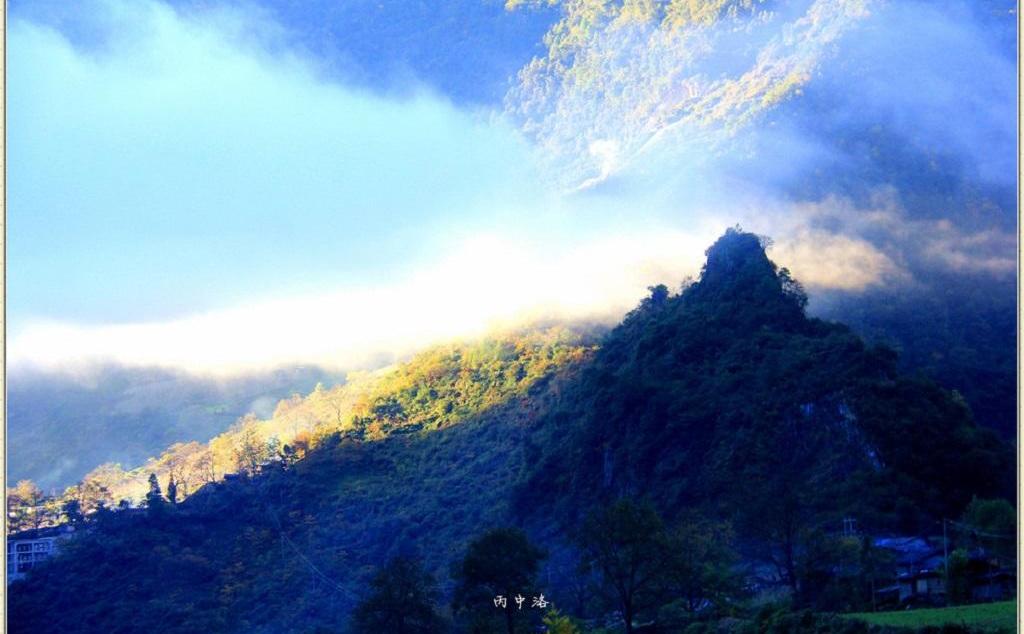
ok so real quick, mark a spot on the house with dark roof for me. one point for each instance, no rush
(921, 579)
(917, 563)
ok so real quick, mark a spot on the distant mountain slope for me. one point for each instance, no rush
(630, 86)
(620, 78)
(960, 330)
(725, 397)
(62, 424)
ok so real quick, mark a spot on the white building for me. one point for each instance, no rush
(28, 548)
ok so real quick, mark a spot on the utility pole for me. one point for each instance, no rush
(945, 548)
(945, 558)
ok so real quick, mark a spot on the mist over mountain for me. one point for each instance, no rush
(824, 117)
(726, 378)
(823, 124)
(826, 125)
(458, 201)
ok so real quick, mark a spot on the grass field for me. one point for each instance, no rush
(986, 617)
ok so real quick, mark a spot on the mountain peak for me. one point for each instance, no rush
(737, 269)
(736, 254)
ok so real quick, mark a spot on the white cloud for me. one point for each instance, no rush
(835, 242)
(822, 260)
(488, 283)
(161, 160)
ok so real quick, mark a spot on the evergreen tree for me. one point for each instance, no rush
(155, 497)
(172, 490)
(991, 524)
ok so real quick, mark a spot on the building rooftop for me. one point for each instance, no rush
(40, 533)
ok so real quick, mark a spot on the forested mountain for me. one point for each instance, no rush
(634, 75)
(813, 106)
(729, 382)
(723, 400)
(748, 439)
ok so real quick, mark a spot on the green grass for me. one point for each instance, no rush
(988, 617)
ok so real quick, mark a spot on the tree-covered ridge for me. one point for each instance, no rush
(752, 431)
(726, 397)
(433, 390)
(964, 338)
(450, 383)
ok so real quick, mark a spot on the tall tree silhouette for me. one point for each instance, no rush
(401, 600)
(500, 563)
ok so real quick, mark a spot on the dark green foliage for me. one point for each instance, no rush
(172, 491)
(500, 563)
(958, 577)
(699, 568)
(626, 544)
(648, 571)
(72, 511)
(960, 330)
(996, 517)
(727, 397)
(401, 600)
(935, 457)
(992, 525)
(731, 347)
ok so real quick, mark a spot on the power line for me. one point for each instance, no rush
(280, 531)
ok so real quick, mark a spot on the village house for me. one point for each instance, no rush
(921, 579)
(26, 549)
